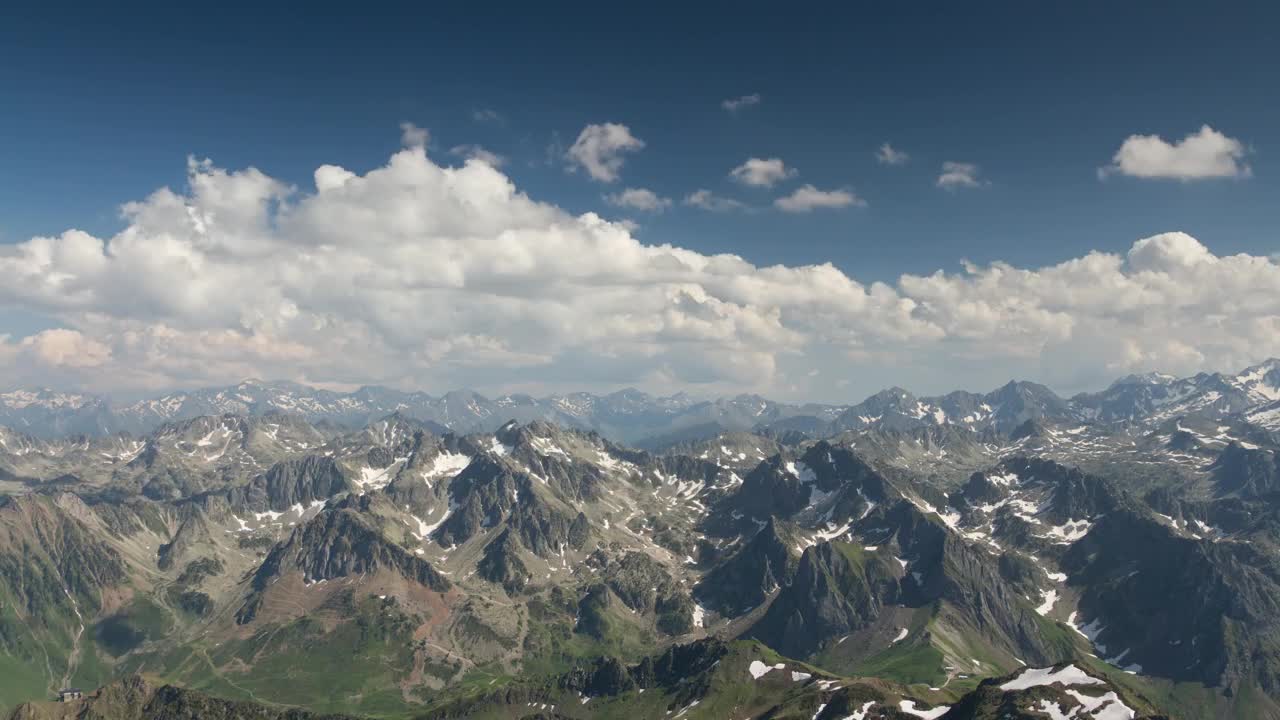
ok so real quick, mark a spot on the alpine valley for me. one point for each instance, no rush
(270, 550)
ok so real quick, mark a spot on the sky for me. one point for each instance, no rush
(811, 203)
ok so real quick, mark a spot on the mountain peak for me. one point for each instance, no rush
(1148, 378)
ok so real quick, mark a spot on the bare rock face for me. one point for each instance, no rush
(1181, 607)
(1250, 473)
(338, 543)
(743, 581)
(501, 563)
(292, 482)
(836, 588)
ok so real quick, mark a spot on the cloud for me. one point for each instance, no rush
(413, 136)
(638, 199)
(1169, 303)
(757, 172)
(599, 150)
(886, 155)
(487, 116)
(808, 198)
(957, 175)
(419, 275)
(733, 105)
(1169, 253)
(475, 152)
(707, 200)
(1201, 155)
(63, 348)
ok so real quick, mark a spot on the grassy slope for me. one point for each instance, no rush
(37, 654)
(355, 667)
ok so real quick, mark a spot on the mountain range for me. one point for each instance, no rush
(645, 420)
(270, 551)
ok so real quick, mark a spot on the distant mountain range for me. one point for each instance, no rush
(645, 420)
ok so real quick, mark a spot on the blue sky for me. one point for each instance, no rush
(103, 106)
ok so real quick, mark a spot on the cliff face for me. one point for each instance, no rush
(291, 482)
(1182, 607)
(837, 588)
(746, 579)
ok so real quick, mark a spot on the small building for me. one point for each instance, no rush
(69, 694)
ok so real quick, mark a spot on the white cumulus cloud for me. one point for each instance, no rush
(639, 199)
(1202, 155)
(416, 274)
(761, 172)
(808, 197)
(599, 150)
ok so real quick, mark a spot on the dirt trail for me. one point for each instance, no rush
(449, 653)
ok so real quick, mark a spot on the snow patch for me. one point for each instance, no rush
(1035, 677)
(909, 707)
(425, 529)
(446, 464)
(1103, 707)
(1053, 710)
(1070, 532)
(1004, 479)
(1049, 597)
(802, 471)
(759, 669)
(378, 478)
(861, 713)
(1089, 631)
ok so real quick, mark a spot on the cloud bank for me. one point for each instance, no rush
(422, 275)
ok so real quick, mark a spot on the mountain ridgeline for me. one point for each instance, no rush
(654, 422)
